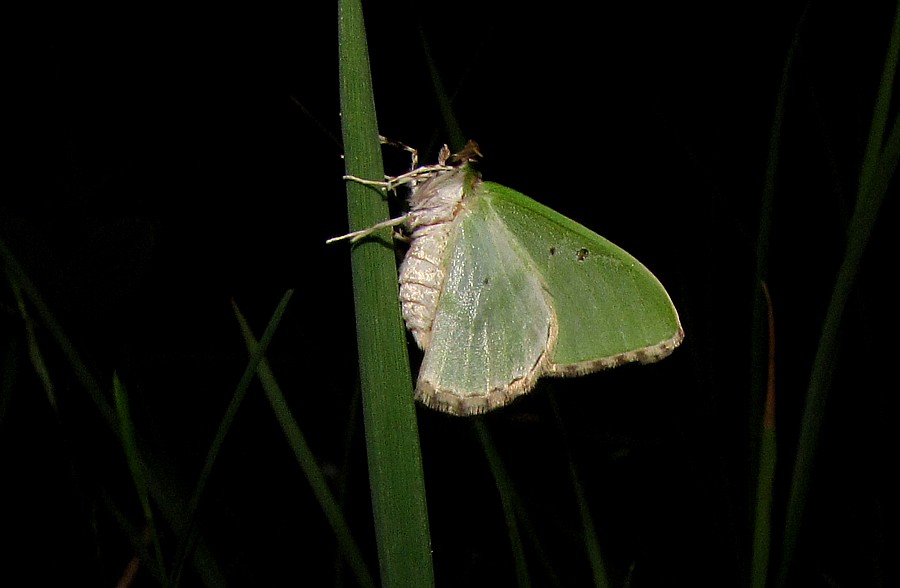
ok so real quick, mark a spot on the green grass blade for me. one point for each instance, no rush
(877, 169)
(759, 337)
(307, 460)
(186, 547)
(875, 145)
(445, 101)
(395, 463)
(591, 544)
(508, 501)
(519, 524)
(22, 282)
(351, 429)
(34, 351)
(136, 466)
(169, 502)
(589, 534)
(762, 528)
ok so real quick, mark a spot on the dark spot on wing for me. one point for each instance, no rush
(552, 251)
(582, 254)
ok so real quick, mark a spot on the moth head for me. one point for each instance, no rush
(468, 153)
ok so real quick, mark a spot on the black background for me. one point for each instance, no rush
(164, 161)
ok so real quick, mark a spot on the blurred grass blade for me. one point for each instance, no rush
(34, 351)
(445, 102)
(518, 520)
(762, 529)
(136, 466)
(306, 460)
(170, 503)
(759, 333)
(589, 534)
(21, 282)
(876, 171)
(188, 541)
(759, 324)
(352, 427)
(507, 500)
(874, 176)
(395, 464)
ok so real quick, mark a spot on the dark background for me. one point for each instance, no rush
(162, 162)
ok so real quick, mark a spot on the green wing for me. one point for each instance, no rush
(610, 309)
(494, 321)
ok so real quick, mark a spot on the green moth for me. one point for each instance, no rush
(499, 290)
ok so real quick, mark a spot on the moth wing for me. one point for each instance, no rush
(494, 324)
(609, 307)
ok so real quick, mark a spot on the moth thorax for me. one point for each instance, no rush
(440, 193)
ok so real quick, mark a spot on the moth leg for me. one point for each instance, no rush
(357, 235)
(388, 183)
(391, 183)
(401, 237)
(414, 153)
(383, 184)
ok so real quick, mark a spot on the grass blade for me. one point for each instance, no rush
(508, 500)
(307, 460)
(588, 530)
(876, 171)
(762, 528)
(136, 466)
(187, 544)
(164, 492)
(395, 463)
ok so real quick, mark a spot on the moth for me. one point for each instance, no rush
(499, 290)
